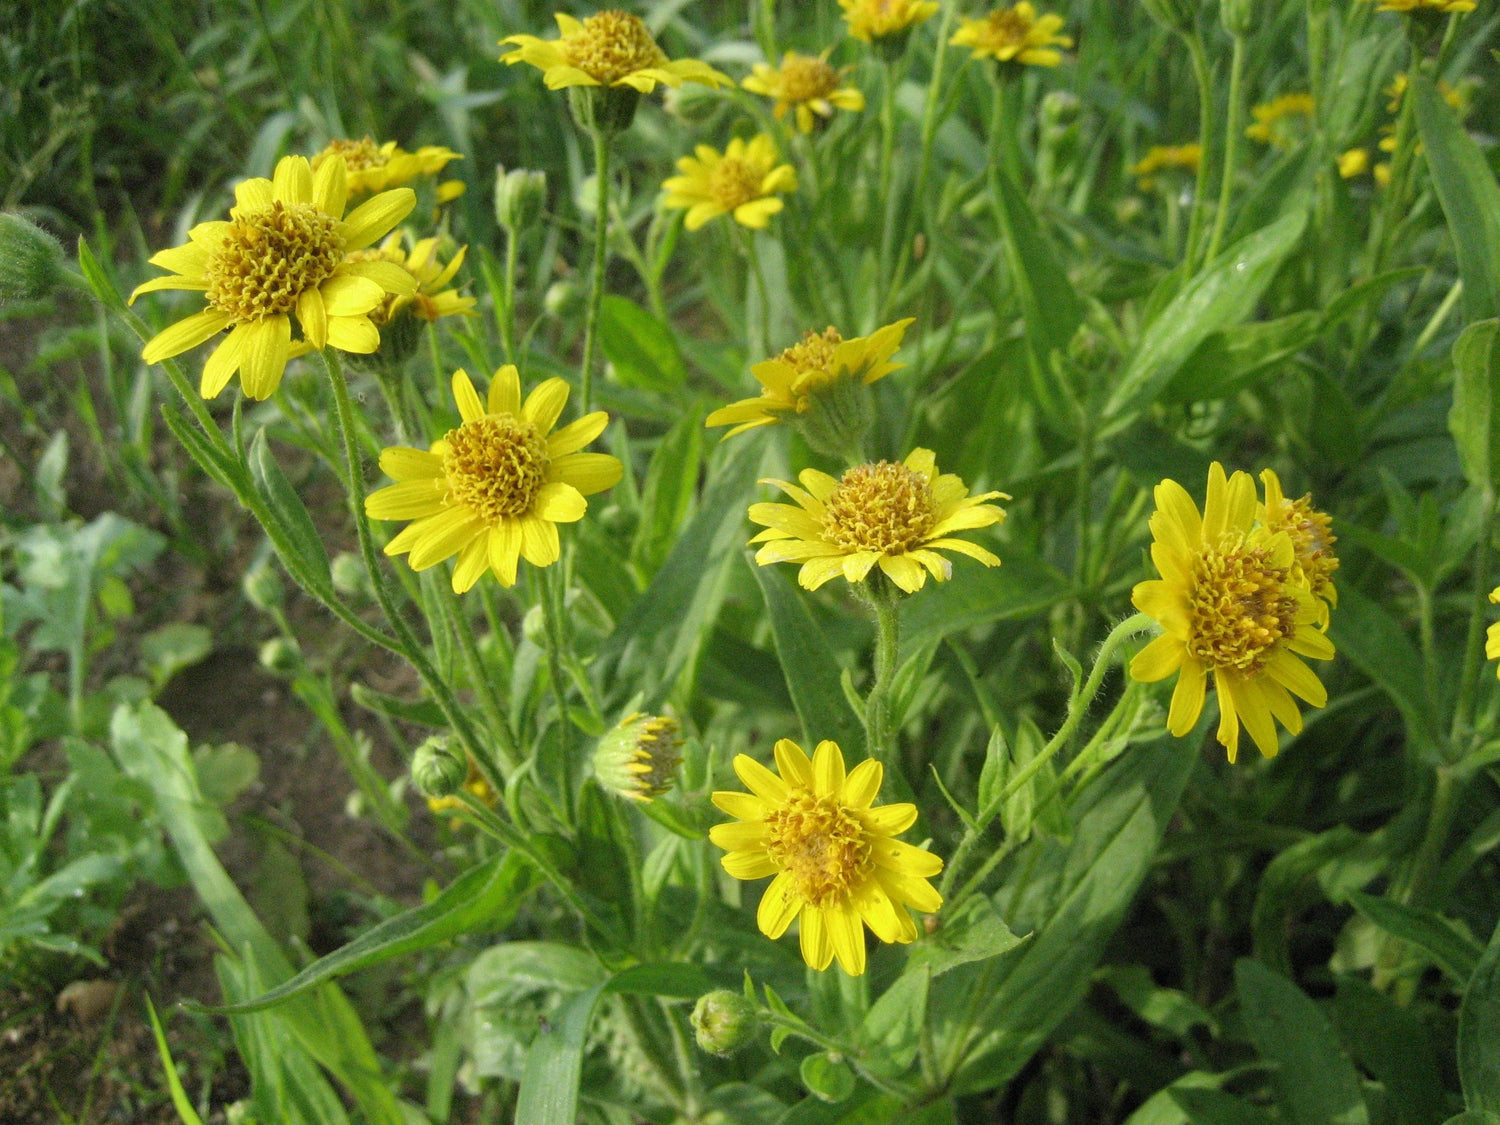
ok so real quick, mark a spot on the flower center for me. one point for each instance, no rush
(734, 182)
(495, 465)
(1240, 605)
(1008, 29)
(269, 258)
(1312, 538)
(817, 842)
(611, 45)
(358, 155)
(883, 507)
(812, 359)
(806, 77)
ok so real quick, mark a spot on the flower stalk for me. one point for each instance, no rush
(602, 139)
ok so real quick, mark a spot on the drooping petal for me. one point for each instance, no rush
(749, 864)
(185, 334)
(846, 935)
(223, 362)
(355, 334)
(264, 357)
(560, 503)
(539, 542)
(473, 561)
(1187, 698)
(817, 947)
(778, 906)
(505, 551)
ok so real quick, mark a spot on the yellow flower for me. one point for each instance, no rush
(611, 48)
(1229, 602)
(375, 167)
(1015, 35)
(431, 300)
(821, 359)
(494, 490)
(1426, 6)
(806, 83)
(287, 247)
(1492, 637)
(1382, 173)
(1272, 120)
(874, 19)
(1311, 533)
(742, 180)
(1158, 157)
(898, 515)
(834, 853)
(1354, 162)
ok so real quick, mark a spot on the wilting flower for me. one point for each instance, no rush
(808, 84)
(638, 758)
(1016, 35)
(375, 167)
(1354, 162)
(742, 181)
(894, 514)
(1230, 602)
(610, 48)
(1311, 533)
(790, 380)
(875, 19)
(833, 853)
(287, 247)
(1426, 6)
(431, 300)
(1159, 157)
(1273, 119)
(1492, 637)
(494, 490)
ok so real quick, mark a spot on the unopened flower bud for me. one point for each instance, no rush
(563, 299)
(350, 577)
(638, 758)
(262, 587)
(520, 195)
(1174, 15)
(30, 260)
(281, 656)
(1237, 16)
(437, 769)
(724, 1022)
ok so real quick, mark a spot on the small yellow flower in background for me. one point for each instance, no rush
(1230, 601)
(894, 514)
(1311, 533)
(1015, 35)
(1382, 173)
(742, 181)
(1274, 121)
(373, 167)
(286, 248)
(874, 19)
(638, 758)
(1354, 162)
(790, 379)
(494, 490)
(1425, 6)
(1492, 637)
(610, 48)
(1455, 96)
(808, 84)
(833, 853)
(430, 301)
(1159, 157)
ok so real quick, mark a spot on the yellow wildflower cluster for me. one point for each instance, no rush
(806, 85)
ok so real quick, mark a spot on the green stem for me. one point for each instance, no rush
(601, 246)
(480, 681)
(1468, 684)
(508, 317)
(1204, 77)
(883, 172)
(880, 738)
(1233, 129)
(554, 606)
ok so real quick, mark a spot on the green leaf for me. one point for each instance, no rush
(180, 1100)
(1474, 1117)
(1316, 1083)
(423, 712)
(976, 932)
(667, 494)
(1450, 949)
(1475, 417)
(643, 350)
(827, 1077)
(1281, 884)
(1470, 197)
(1221, 297)
(810, 667)
(170, 649)
(287, 508)
(1394, 1045)
(211, 458)
(893, 1025)
(99, 281)
(1479, 1033)
(1023, 586)
(1215, 1107)
(1366, 633)
(1166, 1008)
(992, 774)
(1226, 361)
(1052, 309)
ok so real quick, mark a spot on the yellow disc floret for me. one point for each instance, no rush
(881, 507)
(819, 844)
(611, 45)
(266, 260)
(1240, 606)
(495, 465)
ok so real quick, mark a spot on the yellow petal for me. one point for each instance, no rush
(539, 542)
(312, 314)
(746, 806)
(350, 296)
(545, 403)
(817, 949)
(1158, 660)
(847, 937)
(1187, 698)
(470, 409)
(223, 363)
(505, 551)
(330, 186)
(572, 437)
(828, 769)
(759, 780)
(265, 355)
(749, 865)
(891, 820)
(903, 572)
(793, 763)
(293, 180)
(185, 334)
(372, 219)
(473, 561)
(505, 398)
(410, 500)
(356, 334)
(863, 784)
(403, 463)
(442, 536)
(778, 906)
(560, 503)
(588, 472)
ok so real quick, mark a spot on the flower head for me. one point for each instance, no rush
(1230, 602)
(639, 756)
(875, 19)
(791, 380)
(1492, 637)
(742, 181)
(1311, 533)
(808, 84)
(1159, 157)
(431, 300)
(1014, 35)
(493, 490)
(1274, 121)
(1425, 6)
(1354, 162)
(373, 167)
(474, 784)
(834, 854)
(286, 248)
(898, 515)
(609, 48)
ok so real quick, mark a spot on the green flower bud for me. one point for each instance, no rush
(563, 299)
(724, 1022)
(1174, 15)
(262, 587)
(30, 260)
(637, 758)
(437, 769)
(350, 577)
(520, 195)
(1237, 16)
(281, 656)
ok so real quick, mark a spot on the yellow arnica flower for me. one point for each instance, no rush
(1425, 6)
(789, 380)
(1311, 533)
(1160, 157)
(1016, 35)
(1273, 118)
(430, 301)
(375, 167)
(1492, 637)
(742, 181)
(611, 48)
(833, 852)
(1354, 162)
(287, 248)
(494, 490)
(895, 514)
(808, 84)
(875, 19)
(1230, 602)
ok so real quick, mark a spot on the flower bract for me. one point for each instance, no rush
(897, 515)
(1231, 602)
(744, 181)
(1425, 6)
(806, 84)
(609, 48)
(833, 853)
(493, 490)
(638, 758)
(875, 19)
(1013, 35)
